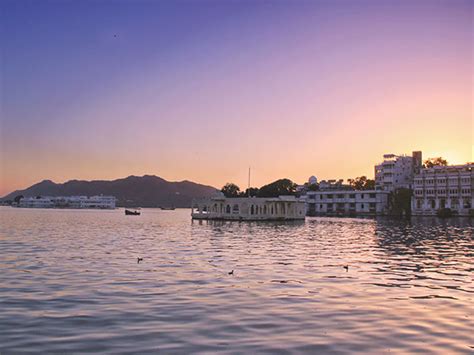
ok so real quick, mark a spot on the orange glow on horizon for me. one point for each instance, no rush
(306, 89)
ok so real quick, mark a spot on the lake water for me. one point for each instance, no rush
(70, 283)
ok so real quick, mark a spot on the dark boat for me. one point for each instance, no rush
(132, 213)
(167, 208)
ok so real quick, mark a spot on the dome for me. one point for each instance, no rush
(312, 180)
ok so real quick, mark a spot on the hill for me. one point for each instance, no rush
(138, 191)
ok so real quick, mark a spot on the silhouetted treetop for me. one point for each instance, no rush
(277, 188)
(230, 190)
(429, 163)
(362, 183)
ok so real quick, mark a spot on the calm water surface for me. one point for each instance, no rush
(70, 283)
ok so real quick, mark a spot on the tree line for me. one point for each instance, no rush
(274, 189)
(287, 187)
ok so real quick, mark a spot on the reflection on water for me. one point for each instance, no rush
(70, 282)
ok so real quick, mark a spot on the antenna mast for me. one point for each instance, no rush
(248, 190)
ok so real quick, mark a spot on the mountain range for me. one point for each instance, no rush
(132, 191)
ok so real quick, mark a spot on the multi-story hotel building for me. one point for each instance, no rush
(346, 202)
(397, 171)
(443, 187)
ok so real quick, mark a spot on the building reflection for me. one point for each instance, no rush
(424, 240)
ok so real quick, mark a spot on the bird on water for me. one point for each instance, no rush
(139, 259)
(346, 267)
(231, 272)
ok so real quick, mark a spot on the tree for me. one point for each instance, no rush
(429, 163)
(230, 190)
(369, 184)
(278, 188)
(252, 192)
(362, 183)
(400, 202)
(313, 187)
(18, 198)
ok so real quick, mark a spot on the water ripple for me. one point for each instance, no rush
(70, 283)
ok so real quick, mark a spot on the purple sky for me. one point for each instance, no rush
(200, 90)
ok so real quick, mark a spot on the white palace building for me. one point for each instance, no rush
(282, 208)
(97, 202)
(443, 187)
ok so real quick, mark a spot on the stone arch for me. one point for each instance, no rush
(227, 209)
(235, 209)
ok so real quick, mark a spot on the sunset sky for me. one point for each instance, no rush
(201, 90)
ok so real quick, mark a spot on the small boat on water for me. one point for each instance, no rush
(132, 213)
(167, 208)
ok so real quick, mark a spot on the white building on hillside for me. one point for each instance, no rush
(397, 171)
(444, 187)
